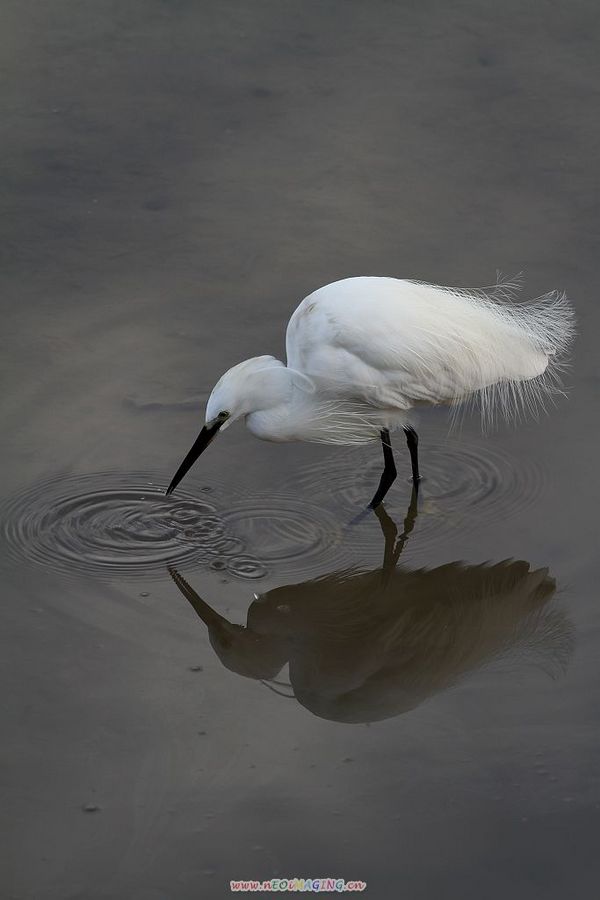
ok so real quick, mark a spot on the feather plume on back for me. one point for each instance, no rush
(377, 347)
(520, 353)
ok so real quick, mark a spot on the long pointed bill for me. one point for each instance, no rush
(200, 445)
(209, 616)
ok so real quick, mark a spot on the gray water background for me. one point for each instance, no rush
(176, 177)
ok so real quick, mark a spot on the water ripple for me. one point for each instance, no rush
(465, 485)
(295, 536)
(114, 525)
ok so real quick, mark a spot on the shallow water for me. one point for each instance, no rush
(415, 710)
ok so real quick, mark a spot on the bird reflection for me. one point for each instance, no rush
(366, 646)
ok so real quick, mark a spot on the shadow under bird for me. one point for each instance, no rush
(363, 352)
(366, 646)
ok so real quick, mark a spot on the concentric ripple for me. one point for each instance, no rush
(466, 484)
(113, 525)
(294, 536)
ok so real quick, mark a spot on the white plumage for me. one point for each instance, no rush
(396, 344)
(363, 352)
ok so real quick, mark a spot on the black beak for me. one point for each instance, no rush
(200, 445)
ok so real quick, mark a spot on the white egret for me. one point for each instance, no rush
(363, 352)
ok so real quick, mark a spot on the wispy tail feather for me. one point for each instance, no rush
(545, 328)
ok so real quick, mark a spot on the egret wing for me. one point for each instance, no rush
(395, 343)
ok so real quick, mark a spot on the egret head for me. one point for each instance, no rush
(255, 384)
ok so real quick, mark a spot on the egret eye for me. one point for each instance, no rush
(223, 415)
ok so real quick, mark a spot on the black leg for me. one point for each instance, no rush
(389, 473)
(412, 439)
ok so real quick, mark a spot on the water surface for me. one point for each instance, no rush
(418, 713)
